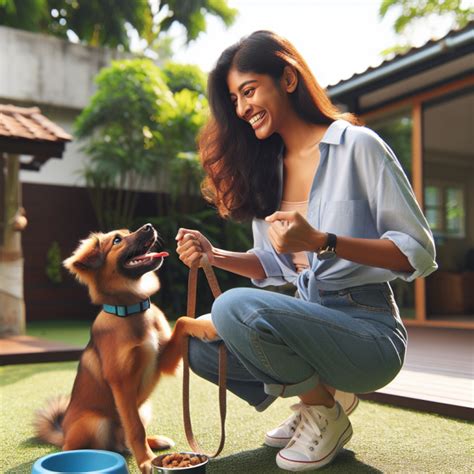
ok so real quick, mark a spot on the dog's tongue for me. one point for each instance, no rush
(157, 254)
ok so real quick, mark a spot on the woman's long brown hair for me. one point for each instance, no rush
(242, 172)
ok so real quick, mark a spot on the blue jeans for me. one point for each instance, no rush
(281, 346)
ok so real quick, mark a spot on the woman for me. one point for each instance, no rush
(332, 213)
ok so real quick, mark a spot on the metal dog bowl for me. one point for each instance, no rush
(196, 469)
(80, 462)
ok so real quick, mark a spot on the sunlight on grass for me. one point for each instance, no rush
(72, 332)
(386, 439)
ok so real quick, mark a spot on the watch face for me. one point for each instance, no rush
(326, 254)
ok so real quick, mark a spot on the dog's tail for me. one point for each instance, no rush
(48, 421)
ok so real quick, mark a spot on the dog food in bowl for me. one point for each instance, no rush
(180, 462)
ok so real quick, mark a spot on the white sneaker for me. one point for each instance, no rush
(319, 436)
(348, 401)
(280, 436)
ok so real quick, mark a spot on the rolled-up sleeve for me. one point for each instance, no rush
(263, 250)
(399, 217)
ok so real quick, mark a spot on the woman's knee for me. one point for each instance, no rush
(231, 307)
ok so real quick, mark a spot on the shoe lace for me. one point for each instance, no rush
(293, 420)
(310, 429)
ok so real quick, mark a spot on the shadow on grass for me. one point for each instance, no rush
(262, 460)
(32, 442)
(27, 466)
(12, 373)
(24, 468)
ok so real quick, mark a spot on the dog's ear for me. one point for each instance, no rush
(88, 256)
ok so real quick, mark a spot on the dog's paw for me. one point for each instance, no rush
(160, 442)
(201, 328)
(145, 467)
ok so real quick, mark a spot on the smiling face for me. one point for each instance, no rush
(259, 100)
(134, 255)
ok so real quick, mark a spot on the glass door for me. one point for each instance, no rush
(448, 177)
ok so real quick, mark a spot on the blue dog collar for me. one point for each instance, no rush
(124, 311)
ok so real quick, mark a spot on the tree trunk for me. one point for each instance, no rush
(12, 306)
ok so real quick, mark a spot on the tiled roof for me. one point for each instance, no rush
(29, 124)
(451, 34)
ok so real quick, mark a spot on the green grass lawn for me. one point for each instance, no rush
(73, 332)
(386, 439)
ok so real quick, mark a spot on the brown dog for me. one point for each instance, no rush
(125, 356)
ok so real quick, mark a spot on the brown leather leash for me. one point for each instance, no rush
(191, 312)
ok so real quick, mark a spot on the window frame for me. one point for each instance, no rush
(443, 186)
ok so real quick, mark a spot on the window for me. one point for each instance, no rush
(444, 209)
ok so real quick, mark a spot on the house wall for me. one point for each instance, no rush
(45, 70)
(61, 214)
(58, 77)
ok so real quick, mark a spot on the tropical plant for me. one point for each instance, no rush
(54, 264)
(126, 122)
(30, 15)
(185, 76)
(108, 22)
(414, 12)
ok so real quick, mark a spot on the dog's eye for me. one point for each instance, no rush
(117, 240)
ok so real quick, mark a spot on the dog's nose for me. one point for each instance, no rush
(147, 228)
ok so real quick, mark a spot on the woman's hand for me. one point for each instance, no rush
(191, 245)
(290, 232)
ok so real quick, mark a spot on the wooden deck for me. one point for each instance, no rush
(437, 376)
(27, 350)
(438, 373)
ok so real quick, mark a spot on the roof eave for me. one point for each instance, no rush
(20, 146)
(371, 78)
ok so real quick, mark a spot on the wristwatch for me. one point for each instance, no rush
(329, 249)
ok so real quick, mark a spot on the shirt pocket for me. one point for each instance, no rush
(350, 218)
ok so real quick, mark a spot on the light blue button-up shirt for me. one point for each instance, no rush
(359, 190)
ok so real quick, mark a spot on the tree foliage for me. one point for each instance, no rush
(185, 76)
(413, 10)
(30, 15)
(106, 22)
(139, 130)
(192, 14)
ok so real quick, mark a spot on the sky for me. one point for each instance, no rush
(337, 38)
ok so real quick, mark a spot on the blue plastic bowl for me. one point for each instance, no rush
(81, 461)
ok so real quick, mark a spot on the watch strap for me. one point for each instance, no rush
(329, 250)
(331, 241)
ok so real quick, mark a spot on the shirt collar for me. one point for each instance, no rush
(335, 131)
